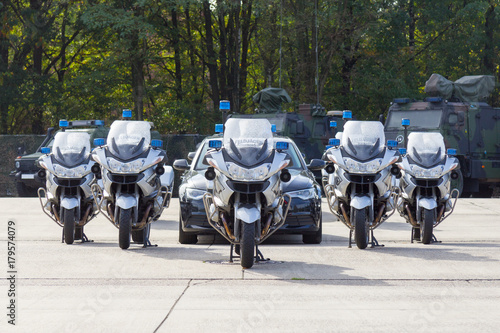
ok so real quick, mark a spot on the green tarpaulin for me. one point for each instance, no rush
(473, 88)
(270, 99)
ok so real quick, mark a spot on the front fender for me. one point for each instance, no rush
(360, 202)
(427, 203)
(69, 202)
(248, 213)
(126, 201)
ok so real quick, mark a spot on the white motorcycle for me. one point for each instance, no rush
(246, 205)
(136, 185)
(68, 200)
(425, 198)
(357, 182)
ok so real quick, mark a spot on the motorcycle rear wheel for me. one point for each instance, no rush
(427, 225)
(68, 217)
(247, 244)
(125, 227)
(360, 228)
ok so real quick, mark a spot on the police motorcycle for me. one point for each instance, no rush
(136, 184)
(357, 179)
(246, 204)
(426, 198)
(68, 199)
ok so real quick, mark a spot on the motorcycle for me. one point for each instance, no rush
(136, 185)
(245, 204)
(357, 179)
(425, 198)
(68, 199)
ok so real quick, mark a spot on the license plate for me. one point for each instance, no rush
(28, 176)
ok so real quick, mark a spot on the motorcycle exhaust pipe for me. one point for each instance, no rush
(54, 210)
(84, 219)
(268, 225)
(412, 221)
(226, 227)
(344, 213)
(110, 212)
(145, 217)
(379, 215)
(441, 212)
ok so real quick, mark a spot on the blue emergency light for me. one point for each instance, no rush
(401, 100)
(217, 144)
(281, 145)
(224, 105)
(333, 124)
(127, 113)
(273, 128)
(156, 143)
(405, 122)
(402, 151)
(99, 142)
(347, 114)
(451, 152)
(392, 143)
(219, 128)
(63, 123)
(334, 142)
(434, 99)
(328, 147)
(45, 150)
(99, 122)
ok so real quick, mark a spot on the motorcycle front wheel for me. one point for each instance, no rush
(247, 244)
(427, 225)
(68, 219)
(125, 227)
(360, 228)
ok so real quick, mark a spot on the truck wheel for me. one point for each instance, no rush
(185, 237)
(315, 238)
(247, 244)
(360, 228)
(125, 227)
(427, 225)
(68, 219)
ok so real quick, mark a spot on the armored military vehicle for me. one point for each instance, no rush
(309, 127)
(459, 112)
(25, 174)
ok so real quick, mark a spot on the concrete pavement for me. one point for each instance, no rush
(453, 286)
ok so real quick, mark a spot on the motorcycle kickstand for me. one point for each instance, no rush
(85, 238)
(147, 242)
(350, 239)
(374, 241)
(434, 239)
(231, 256)
(259, 256)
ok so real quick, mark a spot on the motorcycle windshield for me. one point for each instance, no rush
(363, 140)
(129, 139)
(426, 149)
(248, 141)
(71, 148)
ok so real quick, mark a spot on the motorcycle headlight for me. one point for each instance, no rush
(238, 173)
(420, 172)
(117, 166)
(194, 193)
(305, 194)
(77, 172)
(358, 167)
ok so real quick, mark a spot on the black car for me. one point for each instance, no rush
(304, 216)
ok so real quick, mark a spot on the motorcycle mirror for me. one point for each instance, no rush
(210, 173)
(42, 174)
(454, 175)
(330, 168)
(395, 171)
(285, 176)
(316, 164)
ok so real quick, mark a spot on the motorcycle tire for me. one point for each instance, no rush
(125, 228)
(68, 219)
(247, 245)
(427, 225)
(360, 228)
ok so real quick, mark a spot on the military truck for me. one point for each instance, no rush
(309, 126)
(459, 112)
(25, 174)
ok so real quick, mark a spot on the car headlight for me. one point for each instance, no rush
(358, 167)
(77, 172)
(420, 172)
(305, 194)
(238, 173)
(194, 194)
(133, 167)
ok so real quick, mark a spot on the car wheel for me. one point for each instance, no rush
(184, 237)
(317, 237)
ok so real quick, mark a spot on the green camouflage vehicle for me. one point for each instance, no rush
(25, 174)
(309, 127)
(457, 110)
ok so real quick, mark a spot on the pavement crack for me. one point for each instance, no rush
(173, 306)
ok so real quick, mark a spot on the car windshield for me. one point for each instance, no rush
(248, 141)
(418, 119)
(201, 157)
(363, 140)
(426, 149)
(293, 153)
(128, 139)
(71, 148)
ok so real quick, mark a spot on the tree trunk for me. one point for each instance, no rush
(211, 59)
(177, 55)
(4, 66)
